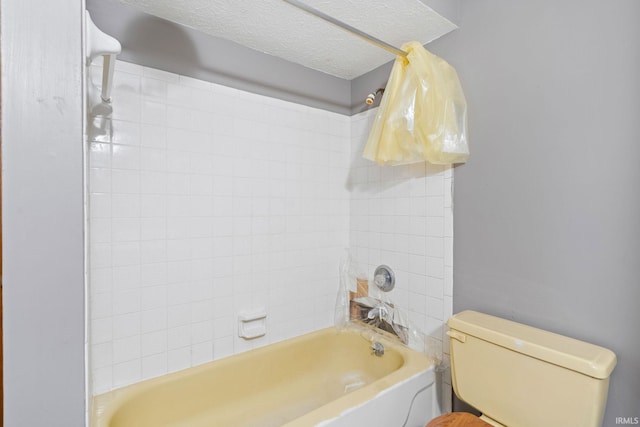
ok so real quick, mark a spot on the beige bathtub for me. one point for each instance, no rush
(323, 378)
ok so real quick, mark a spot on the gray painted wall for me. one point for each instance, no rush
(547, 210)
(43, 283)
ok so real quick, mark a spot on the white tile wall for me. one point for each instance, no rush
(205, 201)
(402, 217)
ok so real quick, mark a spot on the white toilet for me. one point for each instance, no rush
(519, 376)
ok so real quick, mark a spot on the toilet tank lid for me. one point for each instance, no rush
(570, 353)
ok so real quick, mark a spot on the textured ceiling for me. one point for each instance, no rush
(280, 29)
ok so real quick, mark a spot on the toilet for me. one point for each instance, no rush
(520, 376)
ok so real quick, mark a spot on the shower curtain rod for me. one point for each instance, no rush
(347, 27)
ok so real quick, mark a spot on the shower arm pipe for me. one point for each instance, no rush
(102, 44)
(367, 37)
(108, 69)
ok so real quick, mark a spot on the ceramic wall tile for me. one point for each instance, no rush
(201, 199)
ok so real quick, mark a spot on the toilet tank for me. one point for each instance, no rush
(522, 376)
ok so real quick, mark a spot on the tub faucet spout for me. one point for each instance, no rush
(383, 316)
(381, 312)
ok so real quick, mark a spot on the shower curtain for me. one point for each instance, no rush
(422, 115)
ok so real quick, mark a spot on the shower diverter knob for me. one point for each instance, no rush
(384, 278)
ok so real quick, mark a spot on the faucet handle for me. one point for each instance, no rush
(384, 278)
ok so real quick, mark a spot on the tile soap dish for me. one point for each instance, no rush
(252, 324)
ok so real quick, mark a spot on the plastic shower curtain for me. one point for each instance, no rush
(422, 115)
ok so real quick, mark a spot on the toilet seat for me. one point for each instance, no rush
(457, 419)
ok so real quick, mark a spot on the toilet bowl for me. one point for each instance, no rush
(520, 376)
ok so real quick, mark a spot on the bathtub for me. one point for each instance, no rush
(327, 378)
